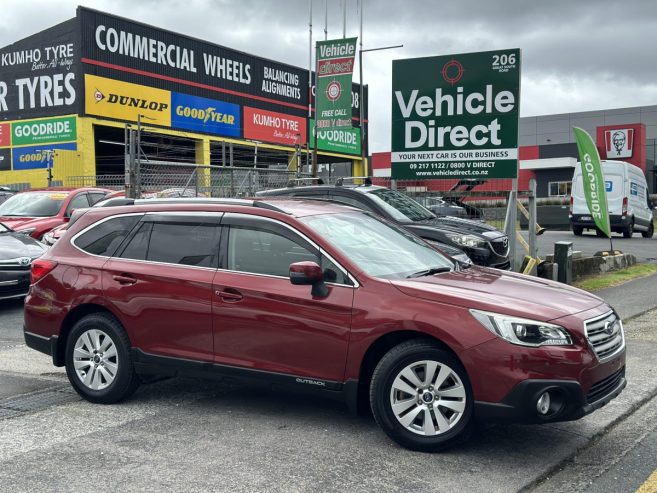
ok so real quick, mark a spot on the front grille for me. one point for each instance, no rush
(600, 389)
(500, 246)
(605, 334)
(11, 290)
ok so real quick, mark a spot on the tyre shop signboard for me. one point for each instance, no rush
(23, 142)
(38, 74)
(456, 116)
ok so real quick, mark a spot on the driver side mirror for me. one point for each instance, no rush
(309, 273)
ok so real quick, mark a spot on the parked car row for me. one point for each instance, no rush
(482, 243)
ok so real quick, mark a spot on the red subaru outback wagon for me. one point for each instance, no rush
(324, 298)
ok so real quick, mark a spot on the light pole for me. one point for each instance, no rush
(361, 106)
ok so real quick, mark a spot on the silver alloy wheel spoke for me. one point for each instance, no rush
(429, 428)
(430, 373)
(426, 409)
(458, 406)
(95, 359)
(399, 384)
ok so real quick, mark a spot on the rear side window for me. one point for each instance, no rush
(175, 243)
(104, 238)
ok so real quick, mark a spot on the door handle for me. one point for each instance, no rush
(229, 296)
(126, 280)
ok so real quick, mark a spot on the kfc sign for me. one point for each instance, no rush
(619, 143)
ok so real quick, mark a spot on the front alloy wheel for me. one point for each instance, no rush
(421, 397)
(428, 398)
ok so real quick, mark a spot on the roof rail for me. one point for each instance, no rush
(117, 201)
(340, 181)
(297, 181)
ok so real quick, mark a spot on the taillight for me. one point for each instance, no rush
(624, 213)
(570, 209)
(41, 268)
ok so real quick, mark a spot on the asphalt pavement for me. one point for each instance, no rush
(190, 435)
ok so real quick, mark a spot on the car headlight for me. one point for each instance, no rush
(467, 240)
(523, 331)
(27, 231)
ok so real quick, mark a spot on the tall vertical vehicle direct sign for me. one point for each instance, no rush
(456, 116)
(335, 66)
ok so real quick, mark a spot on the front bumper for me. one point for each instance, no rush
(14, 283)
(578, 380)
(568, 401)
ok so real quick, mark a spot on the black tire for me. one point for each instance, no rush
(599, 233)
(650, 232)
(577, 230)
(628, 232)
(399, 359)
(112, 371)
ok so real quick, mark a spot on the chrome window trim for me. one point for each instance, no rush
(356, 284)
(229, 271)
(154, 262)
(622, 334)
(93, 225)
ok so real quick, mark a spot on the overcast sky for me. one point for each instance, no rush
(577, 55)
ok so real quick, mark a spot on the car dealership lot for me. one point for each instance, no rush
(187, 434)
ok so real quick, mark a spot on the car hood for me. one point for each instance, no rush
(460, 225)
(16, 223)
(16, 245)
(502, 292)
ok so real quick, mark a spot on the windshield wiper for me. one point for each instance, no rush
(429, 272)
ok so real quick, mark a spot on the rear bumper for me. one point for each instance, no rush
(616, 221)
(568, 401)
(45, 345)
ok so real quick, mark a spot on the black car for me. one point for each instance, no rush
(17, 251)
(484, 244)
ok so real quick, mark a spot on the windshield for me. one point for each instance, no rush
(378, 248)
(399, 206)
(33, 204)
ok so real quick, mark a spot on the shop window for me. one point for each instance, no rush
(560, 188)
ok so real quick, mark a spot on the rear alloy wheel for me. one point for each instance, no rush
(629, 230)
(577, 230)
(421, 397)
(650, 232)
(98, 363)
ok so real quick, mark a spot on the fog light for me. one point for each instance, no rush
(543, 403)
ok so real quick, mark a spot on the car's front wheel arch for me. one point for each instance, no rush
(377, 350)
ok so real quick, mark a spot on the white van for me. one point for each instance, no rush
(627, 200)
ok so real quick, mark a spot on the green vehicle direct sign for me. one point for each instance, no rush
(44, 131)
(340, 140)
(335, 65)
(456, 116)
